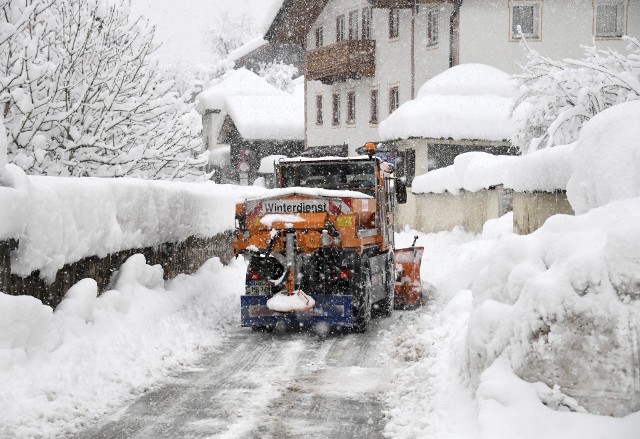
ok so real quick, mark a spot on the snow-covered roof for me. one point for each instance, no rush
(246, 48)
(234, 83)
(267, 164)
(221, 156)
(277, 117)
(468, 101)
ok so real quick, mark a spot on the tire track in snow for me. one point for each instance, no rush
(264, 385)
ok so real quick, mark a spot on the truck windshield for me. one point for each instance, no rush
(357, 176)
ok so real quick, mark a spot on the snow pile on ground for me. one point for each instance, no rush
(60, 370)
(62, 220)
(469, 101)
(607, 163)
(561, 305)
(455, 361)
(543, 170)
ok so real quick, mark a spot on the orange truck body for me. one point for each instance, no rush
(327, 232)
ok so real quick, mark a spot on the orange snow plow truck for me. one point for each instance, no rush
(320, 248)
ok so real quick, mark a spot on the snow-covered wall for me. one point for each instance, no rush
(59, 220)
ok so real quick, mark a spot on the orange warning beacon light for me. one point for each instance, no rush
(370, 149)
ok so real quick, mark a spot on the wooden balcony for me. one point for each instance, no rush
(346, 59)
(404, 4)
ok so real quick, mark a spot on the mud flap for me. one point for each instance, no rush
(329, 309)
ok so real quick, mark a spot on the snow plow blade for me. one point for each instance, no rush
(329, 309)
(408, 287)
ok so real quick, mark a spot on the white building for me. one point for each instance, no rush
(366, 57)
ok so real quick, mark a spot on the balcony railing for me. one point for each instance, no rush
(340, 61)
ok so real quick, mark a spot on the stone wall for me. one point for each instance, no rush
(431, 213)
(531, 209)
(182, 257)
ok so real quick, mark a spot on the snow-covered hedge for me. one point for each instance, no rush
(545, 170)
(60, 220)
(607, 160)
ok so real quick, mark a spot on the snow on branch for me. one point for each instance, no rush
(81, 94)
(558, 97)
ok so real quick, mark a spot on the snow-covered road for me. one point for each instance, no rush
(278, 385)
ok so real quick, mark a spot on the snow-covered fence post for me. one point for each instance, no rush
(5, 264)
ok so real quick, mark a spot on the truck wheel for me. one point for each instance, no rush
(362, 299)
(386, 304)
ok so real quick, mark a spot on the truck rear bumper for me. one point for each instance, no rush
(329, 309)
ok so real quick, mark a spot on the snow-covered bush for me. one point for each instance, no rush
(557, 97)
(606, 162)
(279, 75)
(81, 94)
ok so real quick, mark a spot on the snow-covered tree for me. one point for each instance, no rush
(279, 75)
(558, 97)
(81, 94)
(228, 33)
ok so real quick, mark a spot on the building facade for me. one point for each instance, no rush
(364, 58)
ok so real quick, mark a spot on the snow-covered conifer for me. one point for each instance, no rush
(558, 97)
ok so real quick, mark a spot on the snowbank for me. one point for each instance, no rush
(62, 220)
(561, 306)
(469, 101)
(434, 351)
(60, 370)
(607, 160)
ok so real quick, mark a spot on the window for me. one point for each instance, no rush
(432, 28)
(351, 107)
(319, 37)
(367, 15)
(374, 107)
(525, 19)
(340, 28)
(353, 25)
(394, 99)
(394, 23)
(319, 110)
(336, 109)
(610, 19)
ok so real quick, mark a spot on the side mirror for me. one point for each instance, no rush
(401, 191)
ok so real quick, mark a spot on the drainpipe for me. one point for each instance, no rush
(454, 34)
(413, 50)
